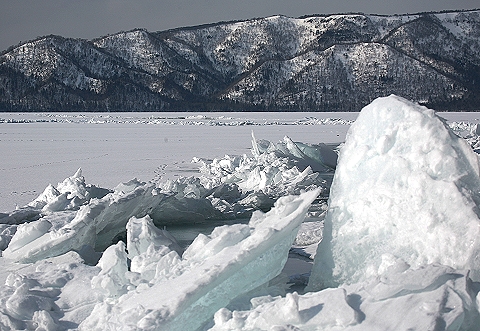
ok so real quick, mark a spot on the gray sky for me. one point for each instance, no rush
(22, 20)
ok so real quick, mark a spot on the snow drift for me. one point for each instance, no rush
(405, 187)
(430, 298)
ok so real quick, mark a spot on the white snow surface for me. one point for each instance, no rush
(41, 148)
(433, 297)
(398, 249)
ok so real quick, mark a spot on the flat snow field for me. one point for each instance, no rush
(37, 149)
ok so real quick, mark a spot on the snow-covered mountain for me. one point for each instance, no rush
(314, 63)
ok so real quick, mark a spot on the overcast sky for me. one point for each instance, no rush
(22, 20)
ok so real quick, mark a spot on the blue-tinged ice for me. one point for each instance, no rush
(185, 292)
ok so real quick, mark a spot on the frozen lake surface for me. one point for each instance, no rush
(39, 148)
(399, 237)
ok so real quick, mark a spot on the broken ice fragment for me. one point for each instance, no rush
(214, 270)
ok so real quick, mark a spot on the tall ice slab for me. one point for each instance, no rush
(406, 188)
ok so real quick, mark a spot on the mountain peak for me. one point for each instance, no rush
(335, 62)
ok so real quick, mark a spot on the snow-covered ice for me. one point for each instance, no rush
(433, 297)
(405, 186)
(224, 242)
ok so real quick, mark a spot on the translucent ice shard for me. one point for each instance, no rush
(185, 293)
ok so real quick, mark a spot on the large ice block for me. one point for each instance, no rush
(405, 185)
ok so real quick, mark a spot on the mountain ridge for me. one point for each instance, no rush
(337, 62)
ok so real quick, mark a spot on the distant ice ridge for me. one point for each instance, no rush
(234, 186)
(469, 131)
(194, 120)
(406, 188)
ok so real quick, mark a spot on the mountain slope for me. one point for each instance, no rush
(314, 63)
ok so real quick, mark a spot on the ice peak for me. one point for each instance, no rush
(78, 173)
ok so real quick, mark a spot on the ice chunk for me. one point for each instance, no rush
(175, 210)
(28, 232)
(69, 194)
(19, 216)
(257, 200)
(25, 301)
(73, 234)
(214, 270)
(112, 278)
(185, 202)
(141, 233)
(95, 224)
(309, 233)
(74, 186)
(48, 195)
(429, 298)
(325, 310)
(275, 170)
(405, 185)
(6, 234)
(112, 213)
(319, 157)
(321, 153)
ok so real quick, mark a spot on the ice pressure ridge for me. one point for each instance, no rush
(74, 214)
(234, 186)
(399, 247)
(171, 119)
(165, 292)
(156, 285)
